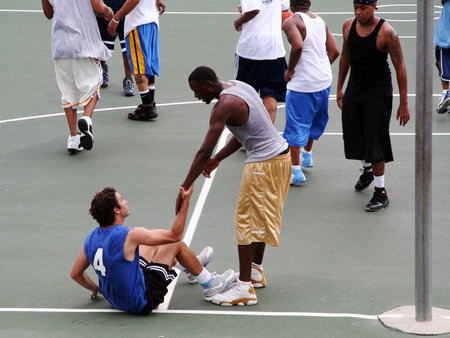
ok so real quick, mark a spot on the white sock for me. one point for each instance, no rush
(296, 167)
(259, 266)
(366, 165)
(306, 151)
(379, 181)
(240, 283)
(204, 276)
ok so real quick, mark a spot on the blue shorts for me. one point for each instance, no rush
(143, 49)
(443, 62)
(266, 76)
(306, 116)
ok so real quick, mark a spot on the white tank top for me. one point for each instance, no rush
(144, 12)
(258, 135)
(313, 71)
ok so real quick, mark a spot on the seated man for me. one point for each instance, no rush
(134, 265)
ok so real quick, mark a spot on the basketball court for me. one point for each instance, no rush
(338, 266)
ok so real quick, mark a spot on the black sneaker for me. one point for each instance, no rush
(128, 86)
(144, 112)
(105, 80)
(87, 138)
(365, 179)
(379, 200)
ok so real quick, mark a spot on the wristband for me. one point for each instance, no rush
(113, 20)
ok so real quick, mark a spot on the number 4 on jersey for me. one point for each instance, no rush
(98, 262)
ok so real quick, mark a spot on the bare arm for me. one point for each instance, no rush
(344, 63)
(80, 276)
(100, 9)
(246, 17)
(142, 236)
(47, 8)
(291, 28)
(127, 7)
(331, 46)
(395, 51)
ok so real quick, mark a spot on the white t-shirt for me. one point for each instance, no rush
(144, 12)
(313, 70)
(261, 38)
(75, 33)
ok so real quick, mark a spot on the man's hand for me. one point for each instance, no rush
(183, 195)
(403, 114)
(161, 7)
(109, 13)
(339, 98)
(112, 26)
(288, 75)
(212, 164)
(95, 293)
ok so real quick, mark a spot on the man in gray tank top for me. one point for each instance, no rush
(265, 181)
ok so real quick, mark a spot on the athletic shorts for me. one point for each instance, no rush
(365, 126)
(263, 191)
(157, 277)
(143, 49)
(78, 80)
(107, 39)
(266, 76)
(306, 116)
(443, 62)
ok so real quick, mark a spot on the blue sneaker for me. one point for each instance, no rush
(297, 176)
(444, 104)
(306, 159)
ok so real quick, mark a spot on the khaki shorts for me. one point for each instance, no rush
(263, 190)
(78, 80)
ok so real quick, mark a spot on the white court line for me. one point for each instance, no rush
(189, 232)
(204, 312)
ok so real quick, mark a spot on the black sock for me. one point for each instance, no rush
(151, 92)
(146, 98)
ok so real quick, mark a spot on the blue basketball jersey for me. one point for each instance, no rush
(121, 282)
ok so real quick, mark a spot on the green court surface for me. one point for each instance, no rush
(338, 267)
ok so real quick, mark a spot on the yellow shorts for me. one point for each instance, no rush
(262, 194)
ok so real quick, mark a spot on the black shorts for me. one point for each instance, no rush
(107, 39)
(266, 76)
(365, 126)
(157, 277)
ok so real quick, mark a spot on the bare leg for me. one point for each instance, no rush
(246, 253)
(271, 105)
(378, 168)
(89, 108)
(71, 115)
(445, 84)
(126, 65)
(141, 82)
(259, 252)
(166, 254)
(309, 145)
(295, 155)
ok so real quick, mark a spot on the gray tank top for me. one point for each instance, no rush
(258, 135)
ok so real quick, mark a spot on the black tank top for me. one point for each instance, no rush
(370, 76)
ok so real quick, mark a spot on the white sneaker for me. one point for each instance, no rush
(204, 258)
(73, 144)
(257, 277)
(239, 294)
(218, 283)
(85, 126)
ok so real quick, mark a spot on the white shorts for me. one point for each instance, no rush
(78, 80)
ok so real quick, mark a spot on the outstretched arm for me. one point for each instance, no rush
(395, 51)
(80, 276)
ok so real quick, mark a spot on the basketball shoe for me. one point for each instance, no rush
(85, 126)
(365, 179)
(217, 283)
(257, 277)
(73, 144)
(240, 293)
(379, 200)
(444, 103)
(306, 159)
(204, 258)
(297, 176)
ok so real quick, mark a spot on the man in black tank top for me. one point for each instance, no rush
(367, 102)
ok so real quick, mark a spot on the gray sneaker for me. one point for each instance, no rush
(218, 283)
(444, 104)
(128, 87)
(204, 258)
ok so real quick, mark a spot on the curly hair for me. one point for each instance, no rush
(102, 206)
